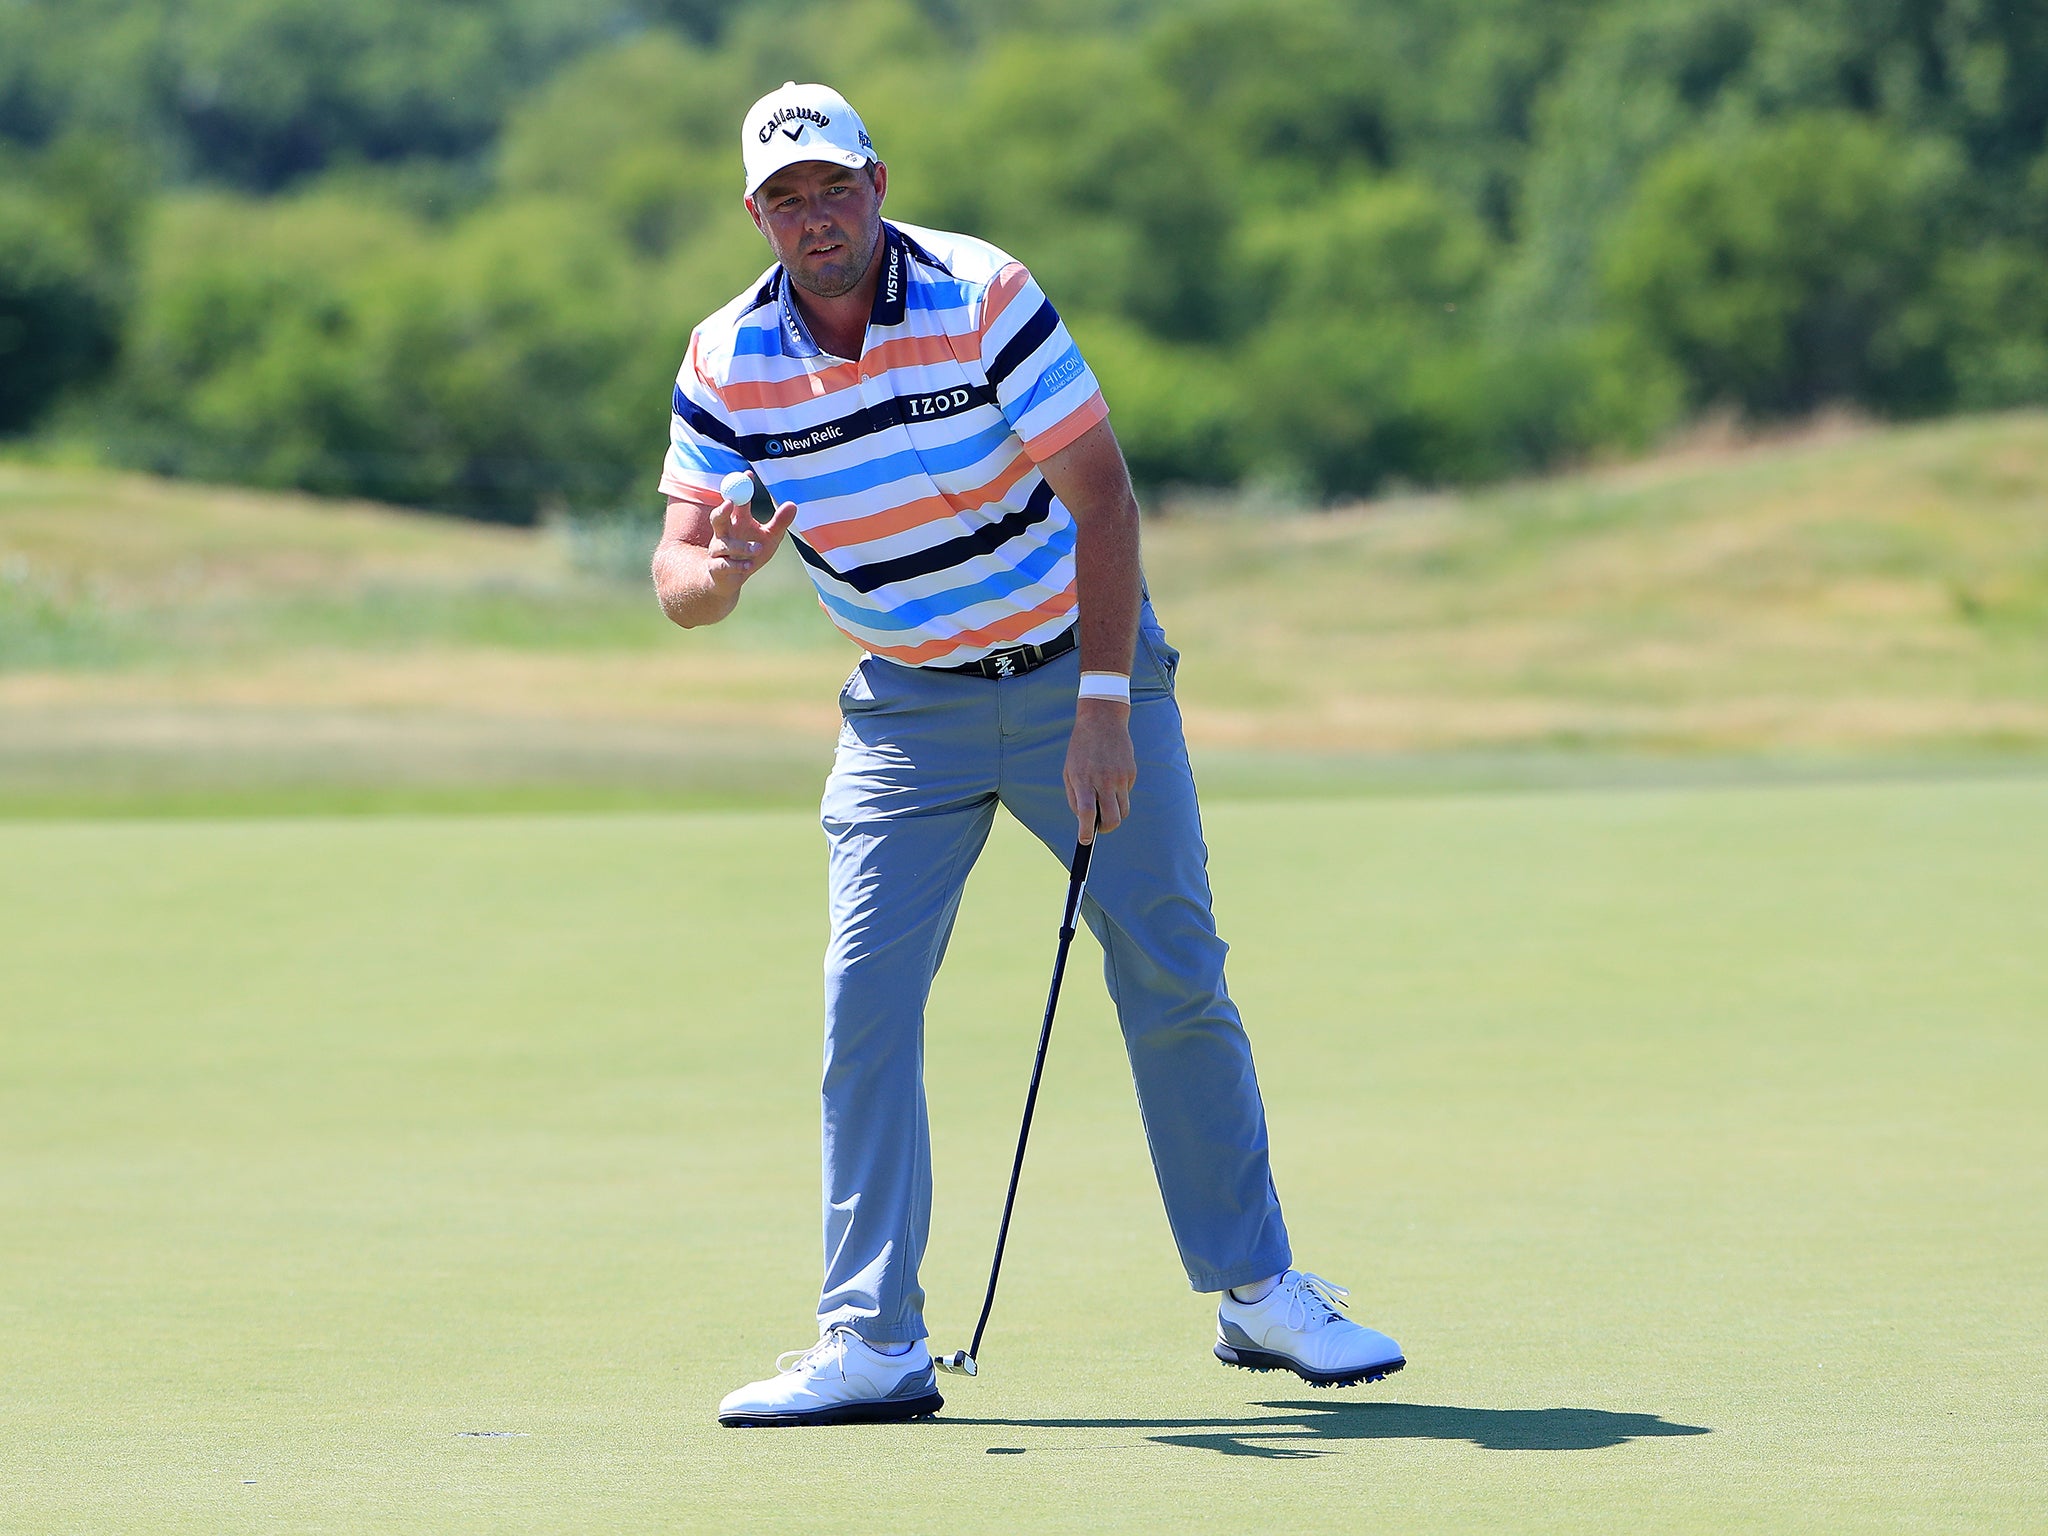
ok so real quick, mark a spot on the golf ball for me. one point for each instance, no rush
(738, 488)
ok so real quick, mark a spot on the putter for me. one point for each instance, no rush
(961, 1361)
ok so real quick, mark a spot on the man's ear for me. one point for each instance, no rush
(878, 173)
(753, 213)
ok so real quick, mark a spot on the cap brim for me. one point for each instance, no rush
(798, 153)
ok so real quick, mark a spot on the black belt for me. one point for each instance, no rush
(1018, 659)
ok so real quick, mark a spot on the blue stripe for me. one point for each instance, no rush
(940, 293)
(885, 469)
(705, 456)
(917, 612)
(1038, 394)
(757, 341)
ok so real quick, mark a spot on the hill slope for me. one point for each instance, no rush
(1874, 594)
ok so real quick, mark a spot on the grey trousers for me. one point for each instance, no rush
(924, 759)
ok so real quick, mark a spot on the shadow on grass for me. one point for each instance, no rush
(1309, 1428)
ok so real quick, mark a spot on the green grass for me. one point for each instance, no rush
(1691, 1141)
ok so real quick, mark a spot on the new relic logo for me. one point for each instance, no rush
(817, 437)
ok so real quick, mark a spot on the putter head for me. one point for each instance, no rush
(960, 1363)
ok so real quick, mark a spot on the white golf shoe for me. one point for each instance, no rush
(838, 1380)
(1296, 1327)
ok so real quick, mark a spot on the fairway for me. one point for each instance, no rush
(423, 1174)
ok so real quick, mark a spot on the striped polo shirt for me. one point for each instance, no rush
(921, 516)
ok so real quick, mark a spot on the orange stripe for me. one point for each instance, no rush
(1069, 429)
(1007, 285)
(904, 352)
(697, 496)
(914, 514)
(989, 635)
(697, 365)
(773, 395)
(907, 352)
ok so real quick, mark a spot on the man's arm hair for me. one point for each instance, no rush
(682, 568)
(1090, 478)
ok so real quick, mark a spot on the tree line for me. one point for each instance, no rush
(449, 254)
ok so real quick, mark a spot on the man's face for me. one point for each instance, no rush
(822, 221)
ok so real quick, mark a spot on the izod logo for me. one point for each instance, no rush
(942, 402)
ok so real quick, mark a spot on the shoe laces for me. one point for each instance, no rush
(830, 1350)
(1312, 1301)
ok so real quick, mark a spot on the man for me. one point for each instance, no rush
(943, 464)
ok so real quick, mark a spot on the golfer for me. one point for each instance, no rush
(942, 463)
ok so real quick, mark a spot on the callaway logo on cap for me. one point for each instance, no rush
(801, 122)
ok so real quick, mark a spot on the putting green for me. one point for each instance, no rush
(440, 1174)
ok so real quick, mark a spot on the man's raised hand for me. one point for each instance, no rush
(740, 546)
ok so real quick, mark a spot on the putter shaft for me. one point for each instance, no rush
(1077, 883)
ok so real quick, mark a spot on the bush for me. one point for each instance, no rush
(498, 369)
(59, 323)
(1778, 267)
(1992, 314)
(1363, 286)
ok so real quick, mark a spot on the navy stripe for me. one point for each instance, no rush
(892, 287)
(940, 557)
(922, 254)
(899, 410)
(1024, 343)
(703, 423)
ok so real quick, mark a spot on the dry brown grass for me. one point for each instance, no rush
(1847, 591)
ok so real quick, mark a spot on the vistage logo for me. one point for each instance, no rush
(892, 277)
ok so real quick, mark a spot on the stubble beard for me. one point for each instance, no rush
(839, 278)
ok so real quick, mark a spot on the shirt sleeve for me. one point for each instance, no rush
(703, 448)
(1043, 387)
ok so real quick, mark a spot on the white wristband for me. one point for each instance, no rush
(1106, 685)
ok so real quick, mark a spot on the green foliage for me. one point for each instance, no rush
(56, 324)
(347, 349)
(1994, 300)
(265, 92)
(644, 132)
(1327, 243)
(1782, 267)
(65, 220)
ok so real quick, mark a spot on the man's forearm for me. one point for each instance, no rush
(1089, 476)
(682, 581)
(1107, 576)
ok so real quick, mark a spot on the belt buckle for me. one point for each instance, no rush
(1006, 663)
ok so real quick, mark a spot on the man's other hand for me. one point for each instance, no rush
(1101, 767)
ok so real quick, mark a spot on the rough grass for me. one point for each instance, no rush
(1689, 1141)
(1876, 596)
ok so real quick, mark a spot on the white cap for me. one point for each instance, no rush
(801, 122)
